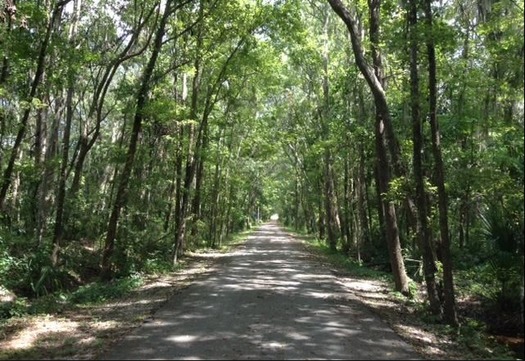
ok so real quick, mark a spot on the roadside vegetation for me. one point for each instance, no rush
(82, 322)
(486, 327)
(135, 133)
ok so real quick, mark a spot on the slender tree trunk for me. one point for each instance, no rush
(40, 67)
(296, 200)
(216, 193)
(58, 231)
(178, 170)
(185, 186)
(47, 133)
(88, 138)
(330, 202)
(332, 224)
(382, 118)
(190, 169)
(423, 229)
(10, 14)
(321, 224)
(194, 159)
(362, 204)
(122, 191)
(40, 150)
(215, 206)
(196, 208)
(345, 225)
(389, 211)
(448, 281)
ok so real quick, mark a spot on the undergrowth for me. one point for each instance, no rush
(471, 335)
(95, 291)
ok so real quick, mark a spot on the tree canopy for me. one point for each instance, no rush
(134, 131)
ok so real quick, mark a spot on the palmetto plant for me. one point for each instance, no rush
(505, 239)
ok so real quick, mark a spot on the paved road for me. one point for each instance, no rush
(266, 300)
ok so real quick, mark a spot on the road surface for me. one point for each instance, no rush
(266, 300)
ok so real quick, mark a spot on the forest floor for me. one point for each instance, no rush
(90, 331)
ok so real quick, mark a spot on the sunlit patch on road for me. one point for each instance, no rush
(268, 300)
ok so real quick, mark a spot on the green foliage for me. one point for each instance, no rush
(9, 265)
(399, 188)
(48, 304)
(157, 265)
(97, 292)
(273, 107)
(197, 238)
(342, 261)
(471, 334)
(16, 308)
(33, 275)
(505, 236)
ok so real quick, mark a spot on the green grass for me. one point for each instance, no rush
(340, 260)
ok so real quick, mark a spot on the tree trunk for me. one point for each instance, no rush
(58, 231)
(321, 224)
(201, 139)
(382, 118)
(122, 191)
(190, 168)
(332, 224)
(345, 225)
(330, 202)
(449, 306)
(184, 186)
(423, 229)
(40, 67)
(85, 143)
(362, 204)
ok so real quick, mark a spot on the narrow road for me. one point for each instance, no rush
(266, 300)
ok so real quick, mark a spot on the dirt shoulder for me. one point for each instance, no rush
(87, 332)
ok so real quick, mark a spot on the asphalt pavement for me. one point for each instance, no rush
(266, 300)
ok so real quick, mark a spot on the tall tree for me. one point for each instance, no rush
(382, 117)
(54, 18)
(141, 98)
(424, 232)
(449, 307)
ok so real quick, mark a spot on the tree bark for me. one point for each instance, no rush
(122, 191)
(346, 219)
(382, 118)
(423, 229)
(58, 231)
(330, 203)
(362, 203)
(449, 306)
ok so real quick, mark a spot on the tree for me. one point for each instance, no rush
(449, 307)
(142, 98)
(424, 232)
(382, 121)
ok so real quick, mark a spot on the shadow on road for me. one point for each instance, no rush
(265, 300)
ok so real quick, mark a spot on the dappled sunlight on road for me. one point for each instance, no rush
(265, 301)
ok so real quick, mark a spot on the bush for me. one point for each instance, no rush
(15, 308)
(503, 235)
(96, 292)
